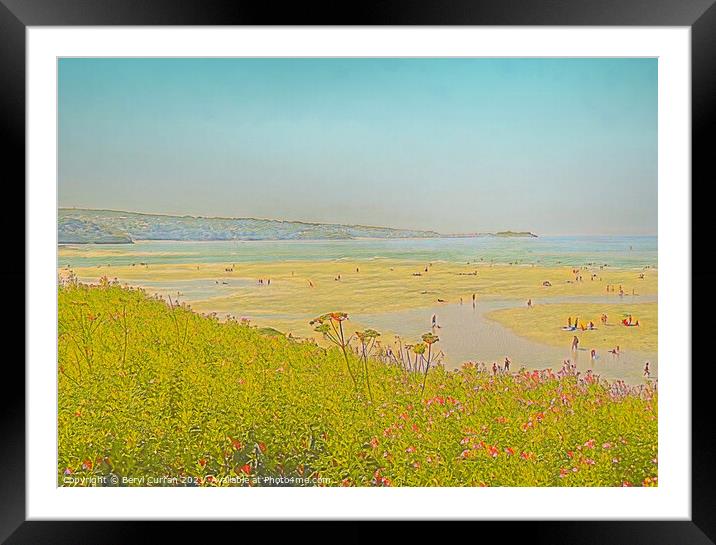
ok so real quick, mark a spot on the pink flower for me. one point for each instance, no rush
(606, 445)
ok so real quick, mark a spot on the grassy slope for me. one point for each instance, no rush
(145, 390)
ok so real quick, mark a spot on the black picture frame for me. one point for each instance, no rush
(17, 15)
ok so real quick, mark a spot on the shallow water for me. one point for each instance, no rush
(467, 334)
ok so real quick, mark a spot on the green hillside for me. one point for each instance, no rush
(153, 394)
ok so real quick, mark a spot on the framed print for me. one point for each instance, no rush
(421, 265)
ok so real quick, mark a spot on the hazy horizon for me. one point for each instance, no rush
(550, 146)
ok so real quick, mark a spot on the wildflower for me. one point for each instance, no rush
(374, 442)
(202, 462)
(626, 483)
(410, 450)
(87, 464)
(379, 480)
(589, 461)
(509, 451)
(589, 444)
(236, 443)
(210, 479)
(346, 482)
(606, 445)
(429, 338)
(493, 450)
(68, 471)
(262, 446)
(465, 453)
(563, 472)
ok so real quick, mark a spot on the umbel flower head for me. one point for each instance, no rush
(419, 348)
(429, 338)
(367, 334)
(331, 316)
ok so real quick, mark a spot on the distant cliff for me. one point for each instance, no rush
(80, 226)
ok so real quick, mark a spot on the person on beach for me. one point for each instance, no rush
(575, 343)
(576, 322)
(569, 322)
(647, 373)
(461, 300)
(473, 300)
(529, 303)
(591, 326)
(593, 354)
(507, 363)
(433, 321)
(494, 368)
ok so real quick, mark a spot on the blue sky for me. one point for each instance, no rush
(554, 146)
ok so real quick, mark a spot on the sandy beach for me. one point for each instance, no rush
(291, 293)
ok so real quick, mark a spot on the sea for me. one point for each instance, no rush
(634, 252)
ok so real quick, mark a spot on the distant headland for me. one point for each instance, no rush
(88, 226)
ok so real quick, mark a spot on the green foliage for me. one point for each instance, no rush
(151, 390)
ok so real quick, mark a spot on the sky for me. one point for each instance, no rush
(456, 145)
